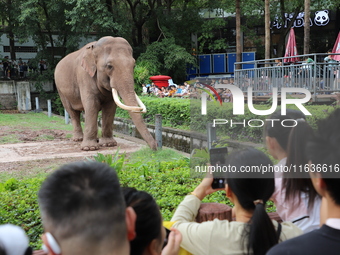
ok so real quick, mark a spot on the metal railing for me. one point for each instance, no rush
(318, 76)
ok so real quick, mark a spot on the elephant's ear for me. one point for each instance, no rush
(88, 61)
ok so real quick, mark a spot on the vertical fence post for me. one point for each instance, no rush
(211, 135)
(67, 120)
(158, 130)
(49, 108)
(37, 104)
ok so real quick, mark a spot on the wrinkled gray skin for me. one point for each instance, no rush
(85, 79)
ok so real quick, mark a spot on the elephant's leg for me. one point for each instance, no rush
(108, 113)
(75, 120)
(91, 128)
(77, 129)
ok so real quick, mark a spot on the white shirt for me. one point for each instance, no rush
(333, 223)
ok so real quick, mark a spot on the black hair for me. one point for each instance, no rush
(280, 132)
(84, 198)
(29, 251)
(260, 234)
(2, 250)
(296, 183)
(293, 140)
(149, 219)
(324, 150)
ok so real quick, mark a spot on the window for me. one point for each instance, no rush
(22, 49)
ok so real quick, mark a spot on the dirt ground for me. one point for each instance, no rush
(48, 149)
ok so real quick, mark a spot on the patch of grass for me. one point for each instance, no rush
(33, 169)
(34, 121)
(46, 137)
(11, 138)
(35, 172)
(14, 125)
(146, 155)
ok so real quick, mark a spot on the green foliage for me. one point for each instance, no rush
(95, 16)
(113, 160)
(165, 174)
(19, 206)
(57, 105)
(10, 184)
(142, 72)
(199, 157)
(167, 58)
(175, 111)
(208, 39)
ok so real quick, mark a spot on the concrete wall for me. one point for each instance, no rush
(20, 95)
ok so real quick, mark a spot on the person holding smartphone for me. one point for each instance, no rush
(252, 231)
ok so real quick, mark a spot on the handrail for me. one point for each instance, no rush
(318, 76)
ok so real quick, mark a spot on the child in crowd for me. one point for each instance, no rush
(253, 232)
(144, 90)
(172, 91)
(295, 198)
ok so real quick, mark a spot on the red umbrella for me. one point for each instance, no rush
(291, 48)
(336, 48)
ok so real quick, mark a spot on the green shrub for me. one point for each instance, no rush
(19, 206)
(168, 181)
(175, 111)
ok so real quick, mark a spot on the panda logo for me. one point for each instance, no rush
(321, 18)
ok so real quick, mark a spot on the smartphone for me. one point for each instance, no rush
(218, 156)
(166, 239)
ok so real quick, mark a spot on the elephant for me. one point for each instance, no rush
(91, 80)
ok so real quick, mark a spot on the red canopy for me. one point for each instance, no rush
(336, 49)
(291, 48)
(161, 80)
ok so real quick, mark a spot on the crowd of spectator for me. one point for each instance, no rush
(19, 69)
(192, 89)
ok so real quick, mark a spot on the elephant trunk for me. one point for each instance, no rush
(143, 130)
(131, 101)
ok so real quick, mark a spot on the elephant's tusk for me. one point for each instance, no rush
(123, 106)
(140, 103)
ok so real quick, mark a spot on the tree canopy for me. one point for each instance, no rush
(161, 32)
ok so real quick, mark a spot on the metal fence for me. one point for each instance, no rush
(314, 72)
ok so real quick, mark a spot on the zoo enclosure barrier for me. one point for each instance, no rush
(316, 75)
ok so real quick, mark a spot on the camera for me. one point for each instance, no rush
(218, 156)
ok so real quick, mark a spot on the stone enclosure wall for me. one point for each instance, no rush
(20, 95)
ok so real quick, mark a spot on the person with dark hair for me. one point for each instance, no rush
(295, 197)
(150, 233)
(323, 150)
(83, 211)
(253, 232)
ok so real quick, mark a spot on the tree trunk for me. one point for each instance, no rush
(306, 28)
(11, 45)
(238, 34)
(267, 29)
(10, 33)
